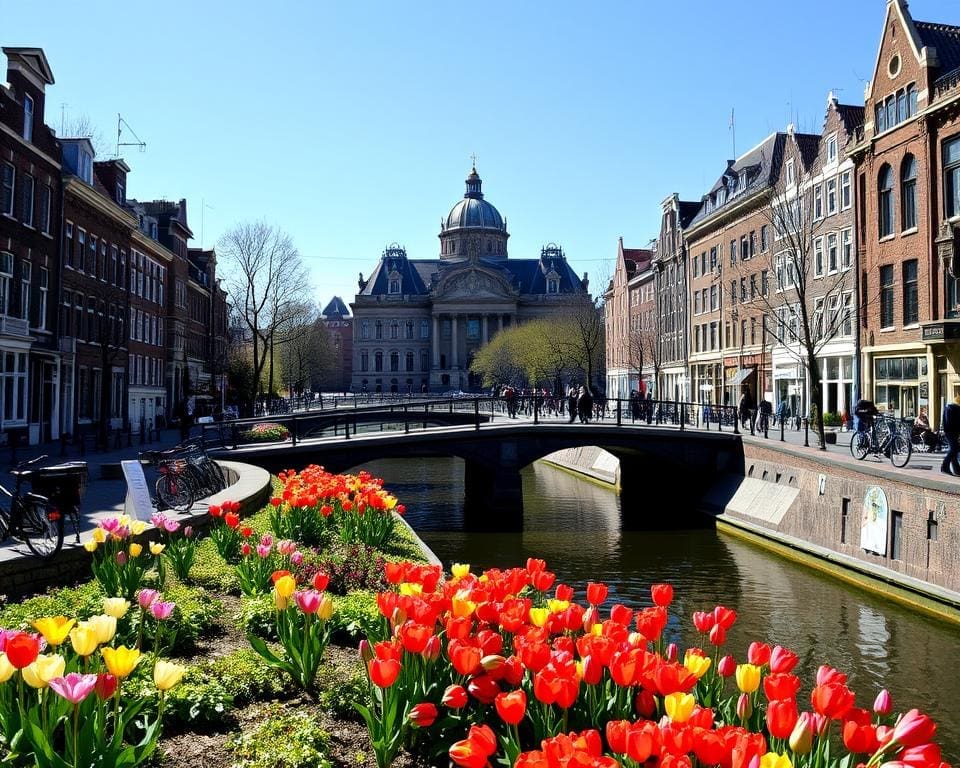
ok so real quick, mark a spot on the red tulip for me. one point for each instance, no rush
(454, 697)
(617, 735)
(921, 756)
(883, 705)
(781, 686)
(423, 714)
(727, 666)
(415, 636)
(645, 704)
(758, 653)
(703, 621)
(564, 592)
(621, 614)
(782, 660)
(596, 593)
(912, 729)
(643, 741)
(718, 635)
(320, 581)
(22, 650)
(651, 621)
(832, 700)
(725, 617)
(106, 686)
(483, 688)
(511, 706)
(859, 734)
(384, 673)
(781, 717)
(542, 580)
(535, 565)
(465, 658)
(662, 594)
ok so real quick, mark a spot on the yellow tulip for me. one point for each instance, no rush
(325, 611)
(124, 521)
(410, 589)
(54, 628)
(115, 606)
(773, 760)
(43, 670)
(285, 586)
(90, 546)
(6, 668)
(462, 607)
(156, 549)
(459, 570)
(99, 535)
(137, 527)
(120, 661)
(558, 606)
(679, 706)
(83, 639)
(696, 664)
(166, 674)
(539, 616)
(135, 549)
(748, 677)
(279, 601)
(103, 626)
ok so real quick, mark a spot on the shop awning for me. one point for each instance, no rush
(738, 376)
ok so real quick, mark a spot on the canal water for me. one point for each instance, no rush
(585, 533)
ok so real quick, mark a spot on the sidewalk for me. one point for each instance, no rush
(103, 497)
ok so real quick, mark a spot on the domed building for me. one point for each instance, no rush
(419, 322)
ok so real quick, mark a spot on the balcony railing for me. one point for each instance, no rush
(14, 326)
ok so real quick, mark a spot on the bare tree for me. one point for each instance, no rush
(809, 302)
(267, 283)
(83, 127)
(307, 355)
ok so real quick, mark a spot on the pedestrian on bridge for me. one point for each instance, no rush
(572, 396)
(950, 424)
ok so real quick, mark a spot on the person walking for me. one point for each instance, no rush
(584, 405)
(186, 419)
(782, 412)
(950, 424)
(572, 403)
(745, 407)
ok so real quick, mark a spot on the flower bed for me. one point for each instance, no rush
(265, 433)
(506, 667)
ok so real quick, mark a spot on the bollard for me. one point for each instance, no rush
(806, 432)
(781, 429)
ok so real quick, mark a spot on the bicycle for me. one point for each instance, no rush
(186, 474)
(38, 518)
(884, 438)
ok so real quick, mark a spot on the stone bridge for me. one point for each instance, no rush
(661, 466)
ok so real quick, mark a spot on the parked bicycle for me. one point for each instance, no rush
(186, 474)
(885, 439)
(37, 516)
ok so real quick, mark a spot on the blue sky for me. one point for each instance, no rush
(350, 125)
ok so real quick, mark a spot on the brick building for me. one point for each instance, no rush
(908, 210)
(621, 336)
(30, 222)
(336, 319)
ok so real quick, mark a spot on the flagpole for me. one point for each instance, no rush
(733, 129)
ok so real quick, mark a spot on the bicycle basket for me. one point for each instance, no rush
(64, 484)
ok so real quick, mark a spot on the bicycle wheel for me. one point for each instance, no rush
(900, 451)
(175, 490)
(860, 445)
(41, 526)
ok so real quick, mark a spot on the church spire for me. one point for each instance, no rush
(473, 184)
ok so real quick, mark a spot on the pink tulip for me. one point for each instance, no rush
(263, 550)
(110, 525)
(744, 706)
(365, 651)
(296, 558)
(921, 756)
(121, 558)
(188, 532)
(286, 547)
(782, 660)
(914, 728)
(883, 705)
(672, 652)
(162, 611)
(74, 687)
(266, 540)
(308, 600)
(146, 597)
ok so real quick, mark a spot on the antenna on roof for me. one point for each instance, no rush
(141, 144)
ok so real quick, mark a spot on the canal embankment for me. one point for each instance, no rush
(893, 531)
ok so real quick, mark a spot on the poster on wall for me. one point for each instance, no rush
(873, 527)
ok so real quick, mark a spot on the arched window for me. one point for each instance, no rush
(885, 200)
(395, 330)
(378, 334)
(394, 361)
(908, 192)
(409, 361)
(378, 361)
(424, 360)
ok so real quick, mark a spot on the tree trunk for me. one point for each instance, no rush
(816, 399)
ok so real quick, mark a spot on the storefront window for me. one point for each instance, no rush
(897, 385)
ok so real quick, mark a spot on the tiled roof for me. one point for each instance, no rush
(336, 308)
(852, 117)
(945, 38)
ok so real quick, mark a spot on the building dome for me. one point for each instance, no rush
(473, 211)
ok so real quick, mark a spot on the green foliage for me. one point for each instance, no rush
(356, 616)
(339, 696)
(285, 738)
(83, 600)
(831, 419)
(195, 613)
(403, 546)
(244, 675)
(265, 433)
(256, 617)
(212, 571)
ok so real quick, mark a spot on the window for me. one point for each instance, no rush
(885, 187)
(46, 195)
(764, 238)
(424, 360)
(14, 387)
(818, 318)
(394, 285)
(896, 536)
(713, 259)
(753, 286)
(846, 249)
(832, 256)
(886, 296)
(44, 278)
(409, 361)
(26, 191)
(378, 361)
(845, 200)
(696, 303)
(6, 204)
(713, 298)
(121, 193)
(764, 283)
(847, 326)
(394, 330)
(818, 257)
(911, 307)
(753, 244)
(743, 290)
(790, 174)
(553, 285)
(6, 275)
(378, 330)
(832, 149)
(25, 272)
(733, 253)
(27, 117)
(91, 264)
(733, 291)
(394, 361)
(424, 329)
(817, 202)
(908, 192)
(744, 249)
(364, 361)
(831, 197)
(409, 330)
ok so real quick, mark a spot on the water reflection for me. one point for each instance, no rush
(578, 528)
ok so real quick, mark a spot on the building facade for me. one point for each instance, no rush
(418, 322)
(908, 213)
(623, 359)
(339, 324)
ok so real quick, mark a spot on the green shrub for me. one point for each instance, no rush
(831, 419)
(265, 433)
(81, 601)
(195, 613)
(356, 616)
(286, 738)
(338, 696)
(256, 617)
(212, 571)
(244, 675)
(402, 546)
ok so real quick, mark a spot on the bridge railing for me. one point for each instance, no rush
(409, 415)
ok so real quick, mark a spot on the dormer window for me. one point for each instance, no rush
(790, 173)
(27, 117)
(121, 195)
(85, 167)
(721, 195)
(394, 285)
(743, 181)
(832, 149)
(553, 285)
